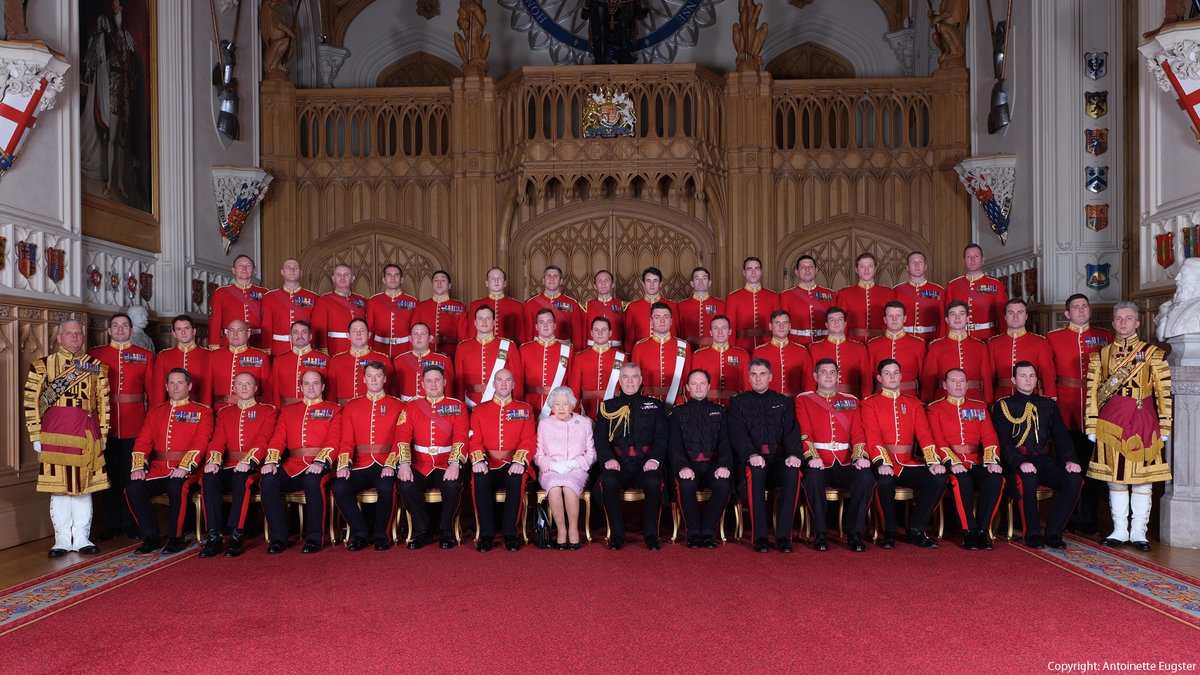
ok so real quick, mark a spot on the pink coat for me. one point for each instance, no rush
(569, 441)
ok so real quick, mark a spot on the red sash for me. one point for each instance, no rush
(346, 303)
(840, 416)
(253, 310)
(436, 420)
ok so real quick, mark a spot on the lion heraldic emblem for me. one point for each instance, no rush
(608, 114)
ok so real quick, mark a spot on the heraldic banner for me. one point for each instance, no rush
(31, 76)
(990, 180)
(238, 190)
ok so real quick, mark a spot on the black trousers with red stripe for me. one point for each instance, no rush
(860, 483)
(484, 487)
(929, 488)
(316, 503)
(345, 493)
(214, 486)
(413, 494)
(118, 463)
(138, 495)
(689, 505)
(1094, 491)
(971, 513)
(1052, 475)
(611, 484)
(761, 478)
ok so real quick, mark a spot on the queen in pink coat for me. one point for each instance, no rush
(564, 453)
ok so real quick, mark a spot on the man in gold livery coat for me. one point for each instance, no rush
(66, 413)
(1128, 416)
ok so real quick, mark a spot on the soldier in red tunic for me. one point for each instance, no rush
(835, 450)
(749, 307)
(344, 380)
(185, 354)
(985, 296)
(299, 455)
(967, 441)
(238, 446)
(596, 370)
(637, 313)
(366, 459)
(697, 312)
(288, 368)
(503, 440)
(958, 350)
(334, 311)
(510, 312)
(443, 314)
(130, 369)
(243, 299)
(568, 313)
(432, 440)
(389, 314)
(864, 301)
(1016, 345)
(900, 346)
(894, 422)
(807, 302)
(607, 306)
(727, 366)
(165, 457)
(664, 358)
(410, 366)
(478, 361)
(546, 362)
(284, 306)
(854, 364)
(791, 366)
(923, 301)
(224, 364)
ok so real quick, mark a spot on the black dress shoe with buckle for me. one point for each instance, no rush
(693, 541)
(212, 546)
(90, 549)
(418, 540)
(820, 543)
(1055, 541)
(447, 542)
(57, 552)
(382, 543)
(175, 545)
(888, 541)
(356, 544)
(761, 546)
(918, 538)
(856, 544)
(277, 547)
(783, 545)
(237, 544)
(653, 543)
(1143, 546)
(708, 541)
(1035, 541)
(512, 544)
(311, 547)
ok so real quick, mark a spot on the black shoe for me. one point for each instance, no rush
(418, 540)
(447, 542)
(279, 547)
(708, 541)
(175, 545)
(513, 544)
(693, 541)
(310, 547)
(575, 547)
(888, 541)
(820, 543)
(90, 550)
(761, 546)
(382, 543)
(356, 544)
(1034, 541)
(1055, 541)
(1143, 546)
(918, 538)
(57, 552)
(212, 546)
(149, 545)
(970, 540)
(985, 541)
(653, 543)
(236, 544)
(484, 545)
(783, 545)
(1113, 543)
(616, 543)
(856, 544)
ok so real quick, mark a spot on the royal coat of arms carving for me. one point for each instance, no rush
(608, 114)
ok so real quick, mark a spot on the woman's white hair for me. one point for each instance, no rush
(564, 392)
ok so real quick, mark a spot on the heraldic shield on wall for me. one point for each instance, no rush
(608, 114)
(1097, 276)
(1095, 141)
(1097, 179)
(1095, 104)
(1096, 216)
(1095, 64)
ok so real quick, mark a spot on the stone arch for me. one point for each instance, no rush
(366, 247)
(837, 242)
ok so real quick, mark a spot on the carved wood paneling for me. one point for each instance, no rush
(419, 69)
(810, 61)
(366, 249)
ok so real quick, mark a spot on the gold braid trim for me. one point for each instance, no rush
(1028, 420)
(616, 419)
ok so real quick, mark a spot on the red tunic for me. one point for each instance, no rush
(864, 309)
(924, 307)
(907, 350)
(305, 432)
(410, 372)
(592, 370)
(174, 435)
(985, 297)
(280, 310)
(637, 318)
(1010, 348)
(855, 374)
(242, 433)
(791, 366)
(331, 319)
(695, 313)
(476, 361)
(444, 317)
(965, 352)
(368, 428)
(728, 370)
(665, 362)
(545, 365)
(611, 309)
(433, 433)
(510, 318)
(191, 358)
(232, 302)
(389, 317)
(895, 423)
(749, 311)
(832, 426)
(1072, 347)
(344, 379)
(288, 368)
(503, 432)
(130, 377)
(963, 431)
(227, 363)
(806, 307)
(568, 318)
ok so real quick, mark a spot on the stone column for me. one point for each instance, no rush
(1180, 515)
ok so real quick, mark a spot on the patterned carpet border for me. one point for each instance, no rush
(1164, 590)
(25, 603)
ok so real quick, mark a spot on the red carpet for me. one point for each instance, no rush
(596, 610)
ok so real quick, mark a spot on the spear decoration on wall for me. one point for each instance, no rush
(999, 116)
(223, 76)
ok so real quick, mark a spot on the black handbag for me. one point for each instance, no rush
(542, 536)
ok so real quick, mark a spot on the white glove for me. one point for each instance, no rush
(571, 465)
(1092, 437)
(1166, 438)
(558, 467)
(37, 446)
